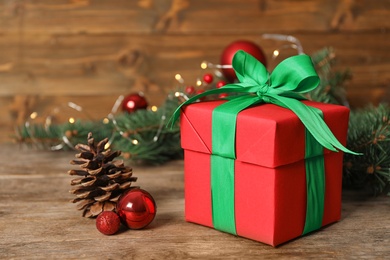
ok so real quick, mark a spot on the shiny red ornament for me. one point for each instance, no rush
(133, 102)
(136, 208)
(190, 90)
(220, 84)
(208, 78)
(108, 222)
(247, 46)
(223, 95)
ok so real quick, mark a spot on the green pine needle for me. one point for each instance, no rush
(369, 133)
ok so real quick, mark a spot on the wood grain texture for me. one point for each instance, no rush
(99, 16)
(38, 221)
(53, 65)
(94, 49)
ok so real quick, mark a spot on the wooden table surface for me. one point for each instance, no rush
(38, 221)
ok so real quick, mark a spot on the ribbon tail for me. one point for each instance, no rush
(312, 121)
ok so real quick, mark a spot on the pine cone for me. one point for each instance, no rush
(103, 179)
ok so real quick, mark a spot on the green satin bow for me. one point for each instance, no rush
(284, 87)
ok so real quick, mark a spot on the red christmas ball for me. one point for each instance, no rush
(133, 102)
(220, 84)
(108, 222)
(208, 78)
(190, 90)
(136, 208)
(228, 54)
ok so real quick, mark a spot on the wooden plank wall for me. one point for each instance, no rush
(91, 51)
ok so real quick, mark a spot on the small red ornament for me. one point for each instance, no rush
(136, 208)
(190, 90)
(108, 222)
(133, 102)
(222, 95)
(247, 46)
(220, 84)
(208, 78)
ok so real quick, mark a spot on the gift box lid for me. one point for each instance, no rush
(266, 134)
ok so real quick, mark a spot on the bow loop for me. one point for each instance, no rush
(295, 74)
(249, 70)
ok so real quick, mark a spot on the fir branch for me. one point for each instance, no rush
(61, 136)
(141, 135)
(331, 88)
(144, 137)
(369, 133)
(368, 129)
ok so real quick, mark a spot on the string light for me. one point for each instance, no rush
(218, 73)
(295, 43)
(33, 115)
(179, 78)
(181, 95)
(75, 106)
(48, 122)
(60, 146)
(205, 65)
(198, 82)
(162, 122)
(125, 135)
(287, 46)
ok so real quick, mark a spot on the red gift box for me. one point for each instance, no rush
(269, 170)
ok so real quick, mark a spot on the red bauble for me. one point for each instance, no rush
(133, 102)
(108, 222)
(231, 49)
(208, 78)
(190, 90)
(220, 84)
(136, 208)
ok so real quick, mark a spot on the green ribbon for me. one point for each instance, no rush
(222, 193)
(284, 87)
(315, 183)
